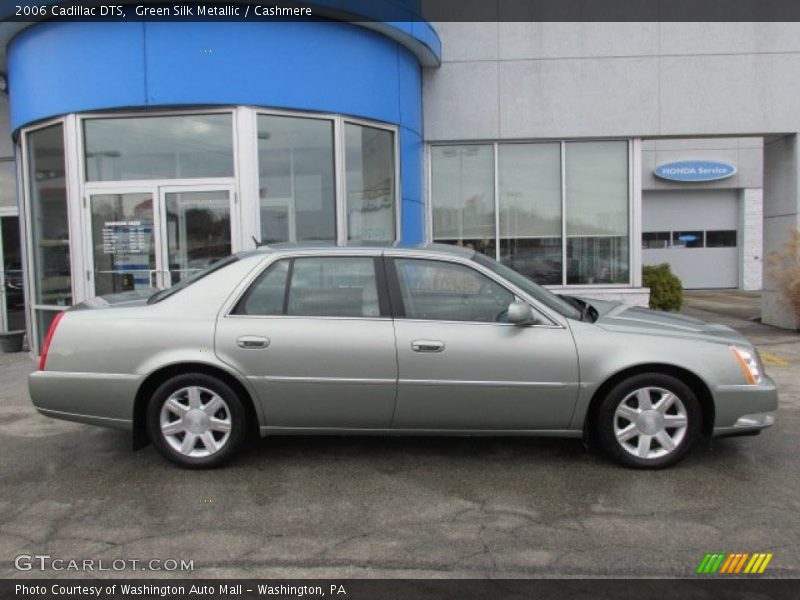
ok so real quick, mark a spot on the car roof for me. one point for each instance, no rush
(378, 247)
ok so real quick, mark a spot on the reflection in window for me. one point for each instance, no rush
(596, 180)
(444, 291)
(687, 239)
(333, 287)
(52, 283)
(296, 183)
(369, 163)
(198, 231)
(721, 239)
(653, 240)
(462, 192)
(170, 147)
(529, 181)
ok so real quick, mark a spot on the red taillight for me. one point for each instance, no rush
(48, 339)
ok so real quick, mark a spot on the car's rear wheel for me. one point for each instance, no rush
(649, 421)
(196, 421)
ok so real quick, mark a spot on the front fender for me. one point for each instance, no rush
(604, 354)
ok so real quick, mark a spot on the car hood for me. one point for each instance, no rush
(121, 300)
(635, 319)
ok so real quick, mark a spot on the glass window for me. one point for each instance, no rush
(529, 181)
(687, 239)
(49, 217)
(369, 163)
(462, 189)
(266, 295)
(443, 291)
(721, 239)
(198, 229)
(652, 240)
(49, 223)
(12, 293)
(596, 179)
(169, 147)
(333, 287)
(296, 182)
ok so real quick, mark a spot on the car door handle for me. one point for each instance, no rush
(252, 342)
(427, 346)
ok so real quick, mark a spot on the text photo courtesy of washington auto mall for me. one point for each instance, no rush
(400, 299)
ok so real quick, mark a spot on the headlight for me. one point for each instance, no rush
(749, 363)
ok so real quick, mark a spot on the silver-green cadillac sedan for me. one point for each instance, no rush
(393, 340)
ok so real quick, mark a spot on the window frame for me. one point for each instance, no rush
(671, 234)
(24, 191)
(633, 262)
(384, 303)
(250, 126)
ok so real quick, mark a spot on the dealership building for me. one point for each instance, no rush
(136, 153)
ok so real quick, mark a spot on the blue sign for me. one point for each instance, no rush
(695, 170)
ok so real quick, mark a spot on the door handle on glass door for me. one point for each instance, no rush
(252, 342)
(427, 346)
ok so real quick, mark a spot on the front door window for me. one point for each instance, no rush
(443, 291)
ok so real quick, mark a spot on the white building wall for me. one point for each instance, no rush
(556, 80)
(751, 244)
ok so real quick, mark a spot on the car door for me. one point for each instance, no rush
(461, 367)
(314, 337)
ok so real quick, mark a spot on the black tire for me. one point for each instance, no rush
(232, 411)
(606, 419)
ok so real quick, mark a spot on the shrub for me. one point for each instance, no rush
(666, 290)
(785, 270)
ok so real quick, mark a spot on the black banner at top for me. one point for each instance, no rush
(403, 10)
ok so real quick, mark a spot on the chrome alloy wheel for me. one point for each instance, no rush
(650, 422)
(195, 421)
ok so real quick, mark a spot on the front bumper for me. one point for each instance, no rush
(744, 409)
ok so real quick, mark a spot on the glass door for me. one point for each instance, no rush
(12, 296)
(196, 228)
(154, 236)
(123, 241)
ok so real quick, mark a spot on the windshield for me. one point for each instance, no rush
(184, 283)
(528, 286)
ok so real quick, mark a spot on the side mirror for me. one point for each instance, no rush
(519, 313)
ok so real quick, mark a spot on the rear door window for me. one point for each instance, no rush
(333, 287)
(344, 286)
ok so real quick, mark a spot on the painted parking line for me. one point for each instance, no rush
(773, 360)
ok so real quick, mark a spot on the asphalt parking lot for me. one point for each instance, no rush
(401, 507)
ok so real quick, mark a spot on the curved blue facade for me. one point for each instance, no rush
(56, 68)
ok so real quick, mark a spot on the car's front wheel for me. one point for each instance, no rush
(649, 420)
(196, 421)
